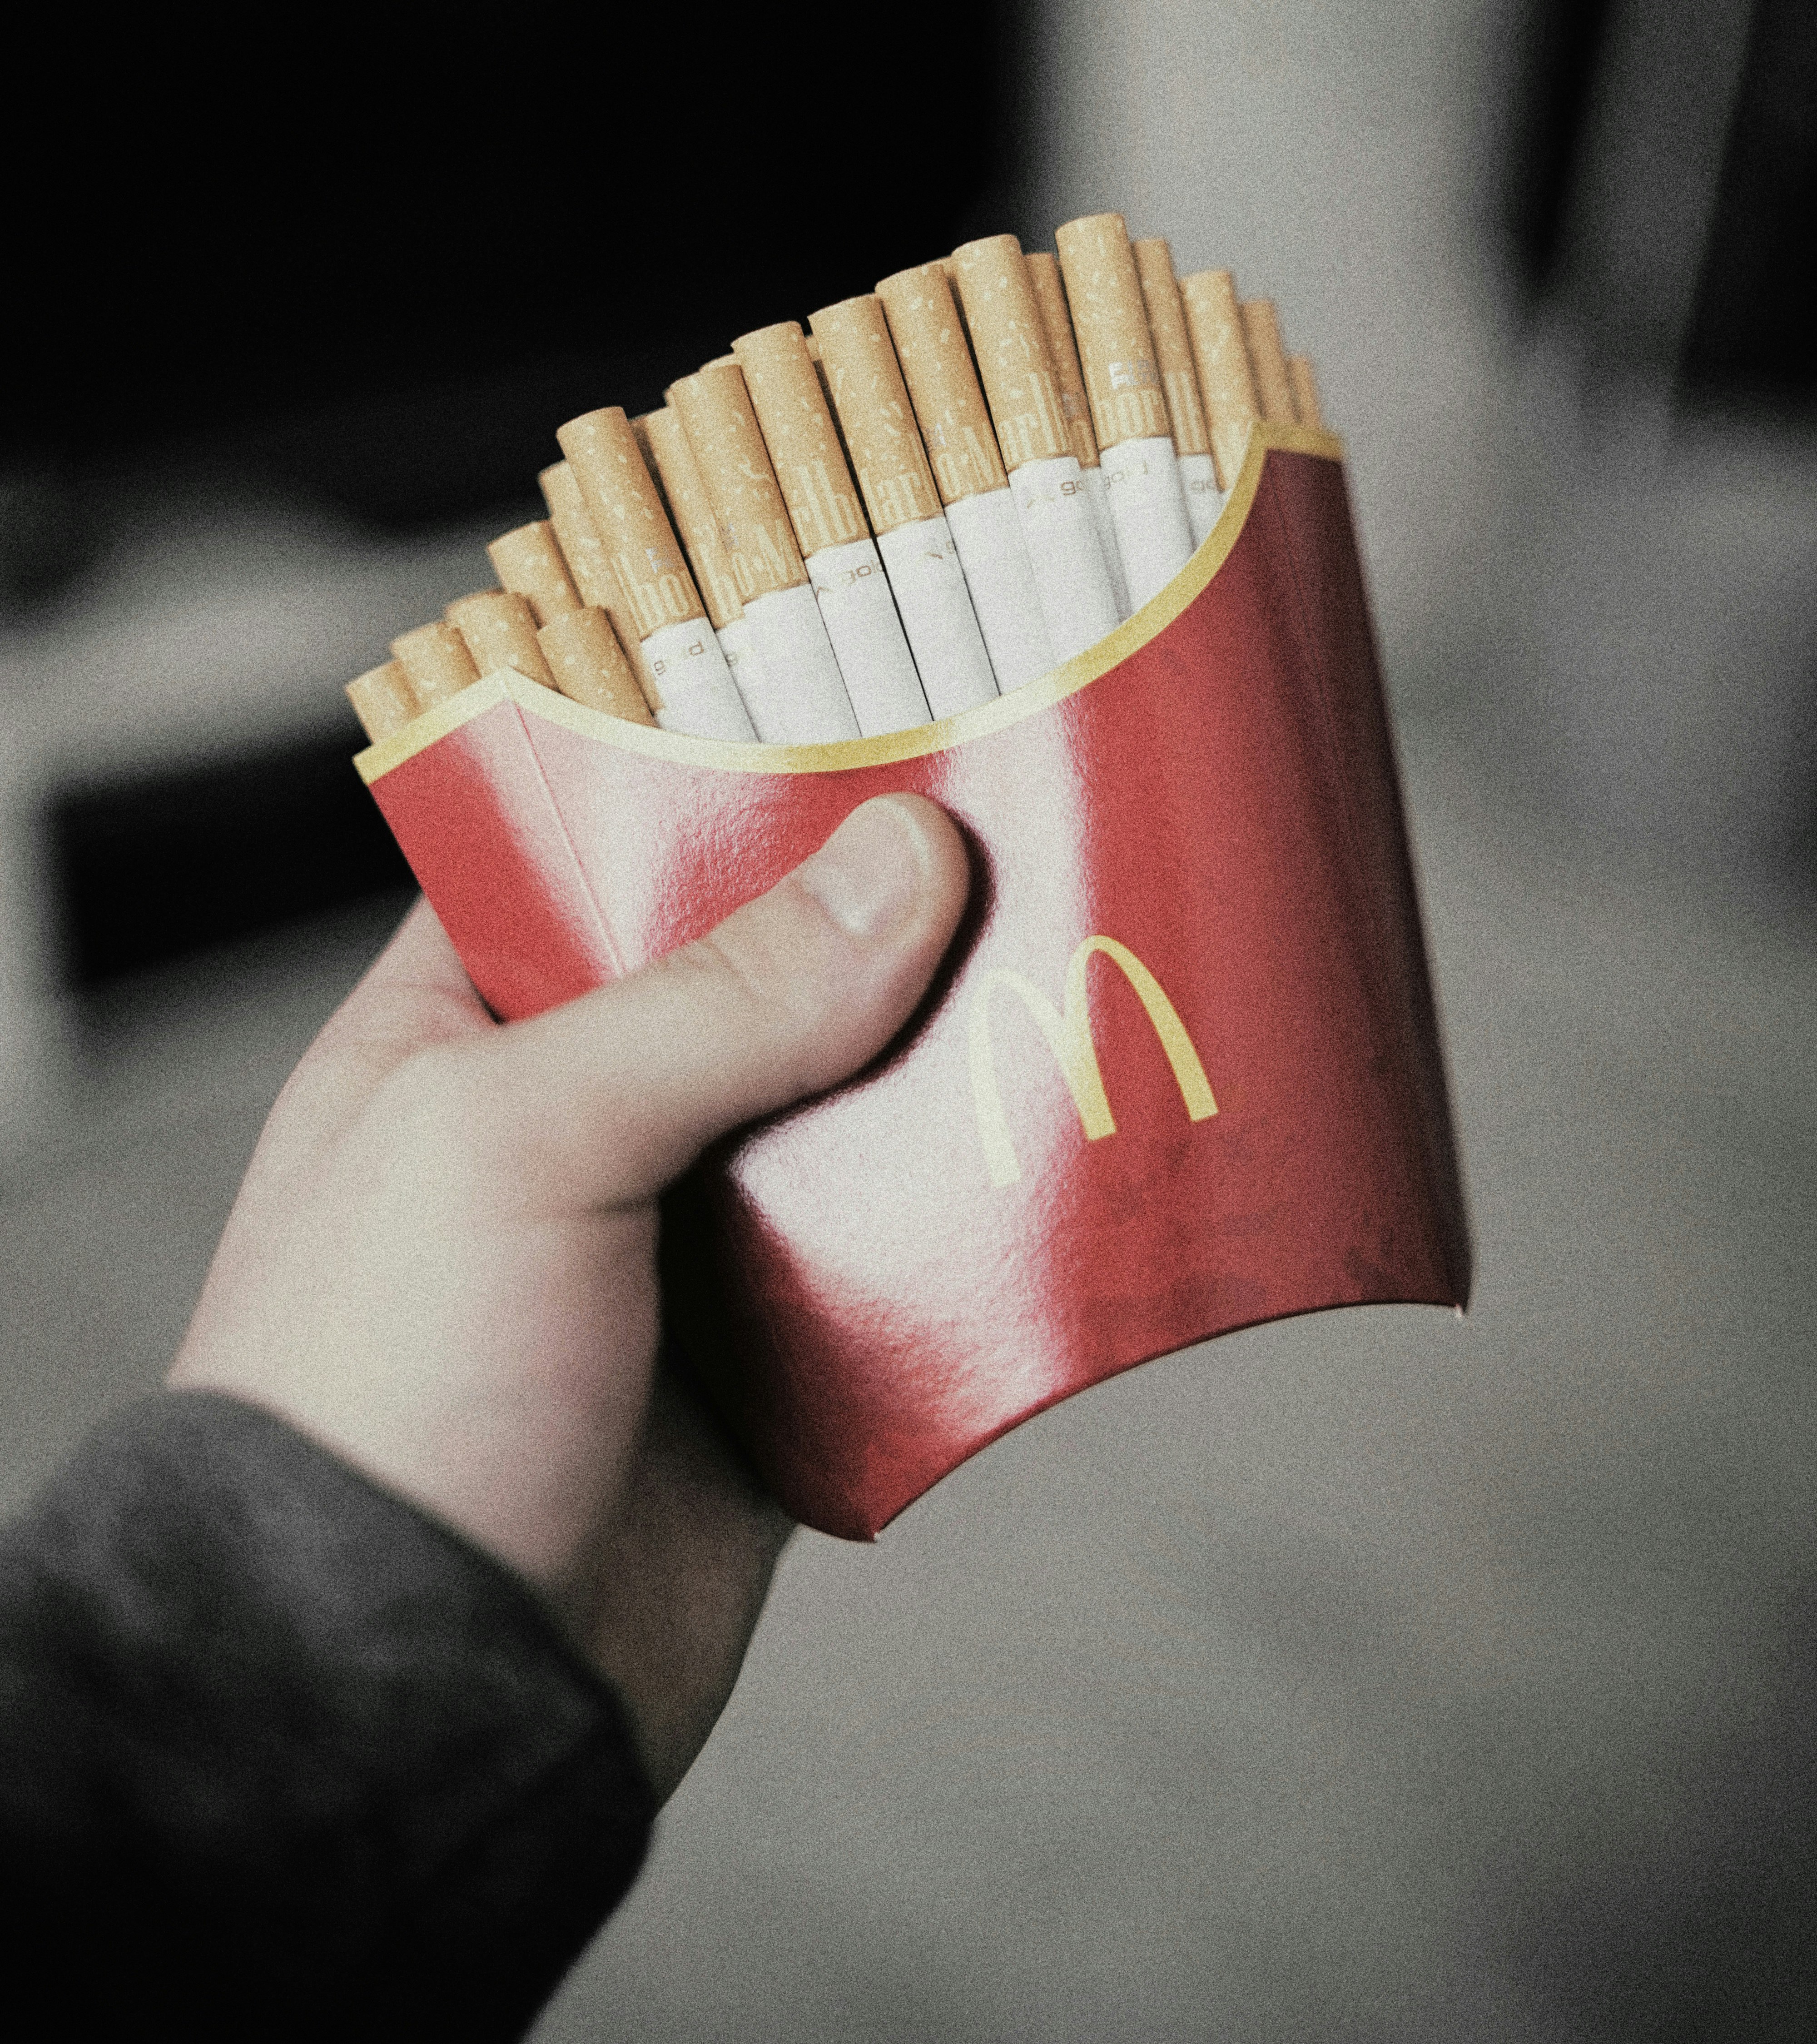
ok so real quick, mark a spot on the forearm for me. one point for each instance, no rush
(282, 1752)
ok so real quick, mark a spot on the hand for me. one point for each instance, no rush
(442, 1263)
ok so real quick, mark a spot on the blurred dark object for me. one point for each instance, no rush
(158, 867)
(1660, 183)
(48, 534)
(382, 267)
(1751, 333)
(1560, 46)
(375, 268)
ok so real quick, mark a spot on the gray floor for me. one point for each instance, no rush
(1377, 1675)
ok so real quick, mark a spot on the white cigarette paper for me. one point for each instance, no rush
(1106, 525)
(798, 696)
(865, 381)
(1205, 500)
(1063, 349)
(1168, 329)
(987, 530)
(859, 613)
(740, 655)
(698, 694)
(923, 560)
(1022, 388)
(1129, 407)
(968, 470)
(822, 501)
(690, 509)
(1077, 601)
(1142, 480)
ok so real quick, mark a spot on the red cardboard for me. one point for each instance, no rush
(1180, 1074)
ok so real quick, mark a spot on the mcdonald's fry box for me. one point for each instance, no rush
(1181, 1073)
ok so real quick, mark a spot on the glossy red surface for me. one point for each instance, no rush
(882, 1281)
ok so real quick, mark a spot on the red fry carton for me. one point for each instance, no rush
(1180, 1073)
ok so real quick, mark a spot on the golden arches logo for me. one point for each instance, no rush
(1068, 1036)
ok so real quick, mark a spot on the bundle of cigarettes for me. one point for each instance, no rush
(939, 492)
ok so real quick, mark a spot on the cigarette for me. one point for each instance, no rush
(842, 561)
(692, 687)
(1179, 383)
(1306, 408)
(1050, 295)
(500, 629)
(590, 666)
(871, 402)
(1009, 340)
(529, 560)
(1214, 322)
(678, 477)
(1129, 407)
(800, 698)
(381, 700)
(950, 408)
(436, 662)
(1267, 357)
(584, 552)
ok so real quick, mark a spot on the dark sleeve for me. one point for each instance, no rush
(279, 1755)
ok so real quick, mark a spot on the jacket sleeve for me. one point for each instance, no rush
(279, 1755)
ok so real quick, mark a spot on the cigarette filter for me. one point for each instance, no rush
(500, 629)
(1268, 358)
(381, 700)
(1077, 603)
(691, 509)
(874, 412)
(1129, 408)
(800, 696)
(842, 564)
(1063, 352)
(1050, 294)
(1110, 323)
(683, 661)
(1179, 383)
(871, 402)
(640, 433)
(590, 666)
(798, 432)
(584, 551)
(436, 663)
(1214, 323)
(678, 476)
(943, 386)
(529, 560)
(962, 448)
(1307, 409)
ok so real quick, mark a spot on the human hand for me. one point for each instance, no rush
(442, 1263)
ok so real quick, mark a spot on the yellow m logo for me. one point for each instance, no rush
(1069, 1038)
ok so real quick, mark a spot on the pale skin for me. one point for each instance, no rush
(442, 1263)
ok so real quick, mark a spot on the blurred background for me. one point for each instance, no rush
(1377, 1675)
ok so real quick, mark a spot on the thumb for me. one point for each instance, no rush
(606, 1100)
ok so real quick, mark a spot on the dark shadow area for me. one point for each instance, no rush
(1753, 335)
(382, 275)
(151, 870)
(1556, 53)
(373, 279)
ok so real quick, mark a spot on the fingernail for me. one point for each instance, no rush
(869, 874)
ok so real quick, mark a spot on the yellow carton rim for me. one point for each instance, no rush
(1079, 672)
